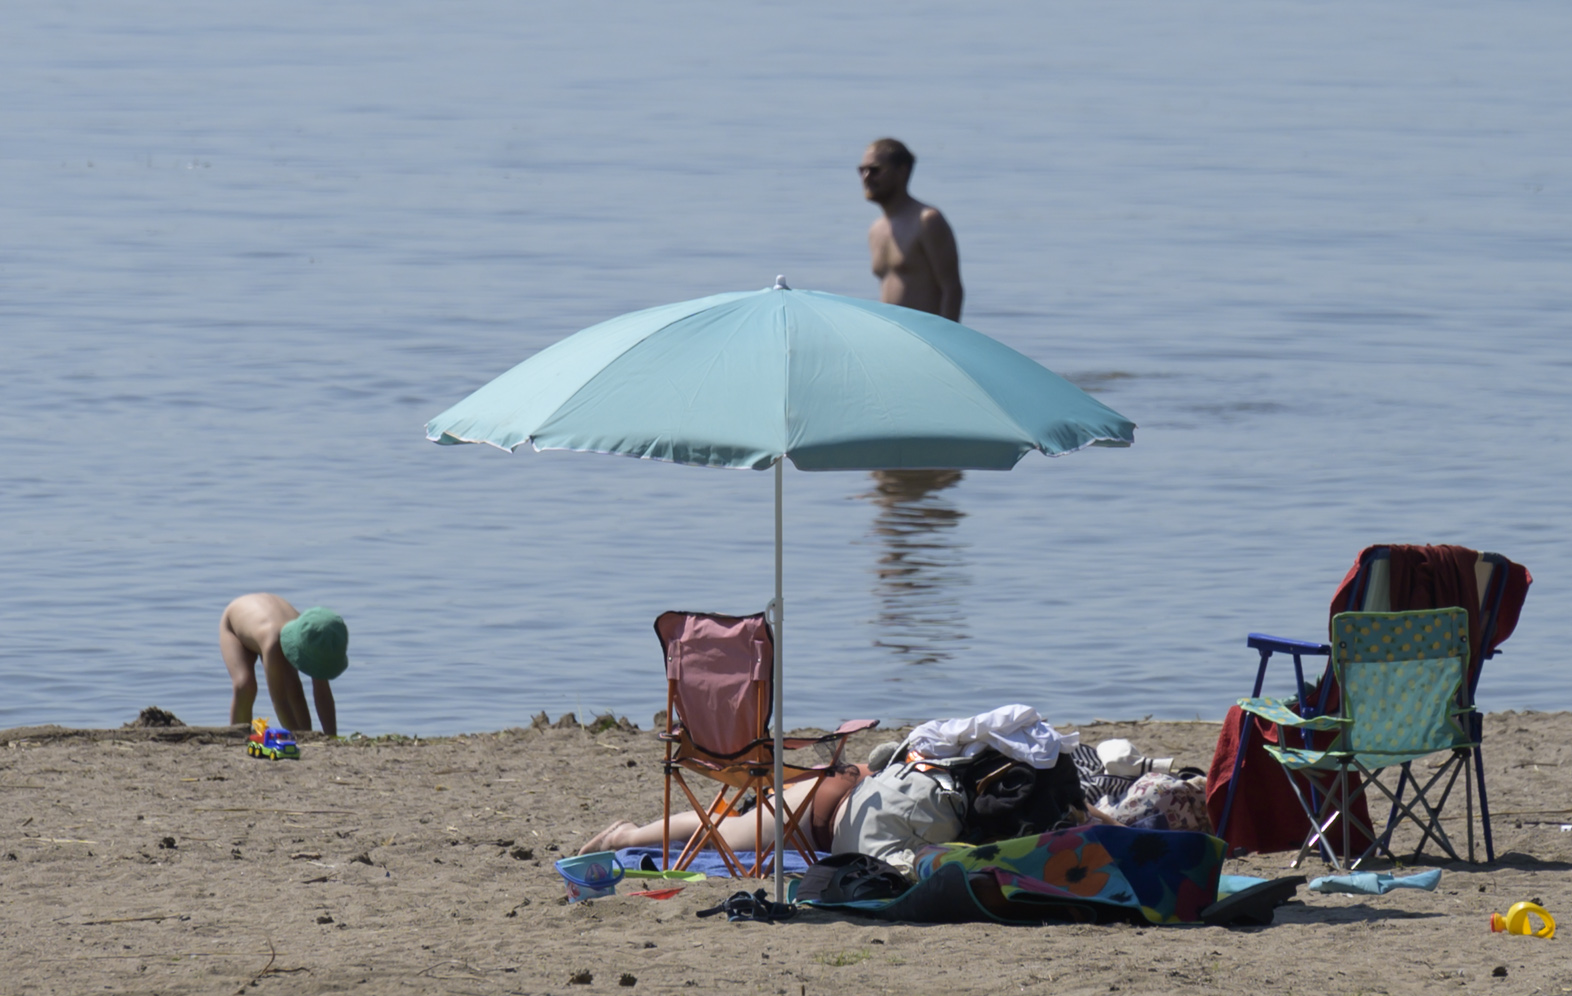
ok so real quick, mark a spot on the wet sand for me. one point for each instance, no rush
(167, 861)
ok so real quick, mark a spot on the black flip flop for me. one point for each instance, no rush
(740, 906)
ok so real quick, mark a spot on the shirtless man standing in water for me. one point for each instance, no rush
(918, 266)
(913, 249)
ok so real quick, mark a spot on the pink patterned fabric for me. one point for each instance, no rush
(1159, 801)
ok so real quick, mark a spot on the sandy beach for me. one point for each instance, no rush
(165, 860)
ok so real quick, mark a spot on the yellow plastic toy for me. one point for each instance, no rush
(1517, 921)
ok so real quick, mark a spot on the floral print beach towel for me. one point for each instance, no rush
(1089, 873)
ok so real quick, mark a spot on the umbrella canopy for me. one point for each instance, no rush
(743, 379)
(753, 378)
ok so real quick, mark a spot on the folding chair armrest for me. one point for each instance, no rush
(841, 732)
(851, 726)
(1274, 711)
(1282, 645)
(1267, 645)
(789, 743)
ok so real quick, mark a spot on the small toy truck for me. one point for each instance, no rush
(271, 743)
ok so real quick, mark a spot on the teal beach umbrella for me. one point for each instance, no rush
(754, 378)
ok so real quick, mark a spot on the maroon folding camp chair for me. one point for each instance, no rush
(718, 701)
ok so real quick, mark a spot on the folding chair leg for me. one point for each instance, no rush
(709, 830)
(1328, 813)
(1458, 767)
(758, 838)
(1430, 826)
(1319, 825)
(1378, 843)
(805, 844)
(665, 827)
(1343, 786)
(1350, 822)
(1484, 805)
(1240, 744)
(796, 834)
(694, 844)
(1468, 797)
(1392, 813)
(1317, 834)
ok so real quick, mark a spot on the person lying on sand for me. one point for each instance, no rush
(823, 817)
(290, 644)
(819, 817)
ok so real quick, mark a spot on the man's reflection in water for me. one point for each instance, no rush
(920, 569)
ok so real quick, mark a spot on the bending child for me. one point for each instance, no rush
(290, 644)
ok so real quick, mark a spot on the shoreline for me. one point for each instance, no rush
(179, 732)
(164, 860)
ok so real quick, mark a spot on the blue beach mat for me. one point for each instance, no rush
(647, 859)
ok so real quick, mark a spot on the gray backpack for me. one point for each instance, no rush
(900, 809)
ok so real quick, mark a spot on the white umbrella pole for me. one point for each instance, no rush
(780, 737)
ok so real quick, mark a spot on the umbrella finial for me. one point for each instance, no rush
(780, 282)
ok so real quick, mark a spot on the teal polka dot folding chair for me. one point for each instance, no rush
(1403, 679)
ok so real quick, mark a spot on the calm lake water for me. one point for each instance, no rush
(1319, 252)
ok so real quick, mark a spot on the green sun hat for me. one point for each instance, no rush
(315, 643)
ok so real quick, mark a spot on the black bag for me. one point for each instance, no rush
(1008, 799)
(848, 877)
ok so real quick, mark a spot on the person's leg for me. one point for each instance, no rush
(626, 833)
(242, 672)
(741, 832)
(737, 831)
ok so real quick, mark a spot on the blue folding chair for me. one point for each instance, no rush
(1501, 586)
(1401, 679)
